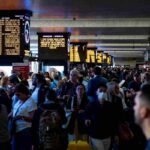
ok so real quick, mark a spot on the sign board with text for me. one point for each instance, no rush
(53, 46)
(91, 55)
(77, 52)
(22, 68)
(14, 32)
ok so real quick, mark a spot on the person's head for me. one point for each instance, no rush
(38, 79)
(113, 88)
(137, 77)
(46, 75)
(102, 93)
(2, 74)
(91, 72)
(4, 81)
(142, 106)
(97, 70)
(74, 75)
(80, 90)
(22, 92)
(13, 80)
(56, 77)
(147, 76)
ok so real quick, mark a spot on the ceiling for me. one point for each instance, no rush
(121, 28)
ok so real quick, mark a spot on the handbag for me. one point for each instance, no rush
(125, 133)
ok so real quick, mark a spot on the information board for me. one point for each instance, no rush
(99, 57)
(53, 46)
(14, 32)
(77, 52)
(91, 55)
(109, 60)
(104, 58)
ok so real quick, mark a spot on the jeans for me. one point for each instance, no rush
(22, 140)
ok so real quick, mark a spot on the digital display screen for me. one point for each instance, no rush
(77, 52)
(99, 57)
(91, 56)
(14, 33)
(53, 46)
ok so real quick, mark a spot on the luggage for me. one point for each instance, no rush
(78, 145)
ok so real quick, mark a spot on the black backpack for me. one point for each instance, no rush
(51, 134)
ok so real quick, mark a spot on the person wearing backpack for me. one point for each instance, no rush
(47, 125)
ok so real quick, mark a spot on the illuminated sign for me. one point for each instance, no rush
(53, 46)
(14, 32)
(109, 60)
(77, 52)
(90, 58)
(104, 58)
(99, 57)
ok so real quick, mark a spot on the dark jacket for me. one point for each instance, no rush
(35, 125)
(76, 115)
(68, 89)
(101, 116)
(41, 93)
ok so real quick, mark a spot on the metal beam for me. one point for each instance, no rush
(119, 44)
(103, 37)
(91, 23)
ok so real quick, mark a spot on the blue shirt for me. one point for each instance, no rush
(148, 145)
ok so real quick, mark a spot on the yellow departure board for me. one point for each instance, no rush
(74, 54)
(109, 60)
(99, 57)
(53, 46)
(52, 42)
(104, 58)
(77, 52)
(90, 56)
(14, 32)
(10, 36)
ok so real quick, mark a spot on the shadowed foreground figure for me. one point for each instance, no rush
(142, 111)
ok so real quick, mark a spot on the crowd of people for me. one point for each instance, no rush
(107, 107)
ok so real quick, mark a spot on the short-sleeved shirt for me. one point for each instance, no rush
(23, 109)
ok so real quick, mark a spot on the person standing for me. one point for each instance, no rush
(22, 113)
(4, 136)
(142, 111)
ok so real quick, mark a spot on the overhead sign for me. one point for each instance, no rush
(53, 46)
(109, 59)
(104, 58)
(77, 51)
(91, 55)
(99, 57)
(14, 32)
